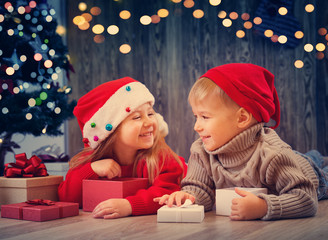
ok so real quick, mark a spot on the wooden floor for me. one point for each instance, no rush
(146, 227)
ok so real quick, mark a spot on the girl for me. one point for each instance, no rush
(123, 137)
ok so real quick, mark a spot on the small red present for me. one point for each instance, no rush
(96, 191)
(39, 210)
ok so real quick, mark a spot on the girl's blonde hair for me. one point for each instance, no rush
(152, 156)
(204, 87)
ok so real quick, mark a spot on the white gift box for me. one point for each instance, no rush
(188, 214)
(224, 197)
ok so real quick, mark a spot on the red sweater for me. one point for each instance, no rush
(142, 202)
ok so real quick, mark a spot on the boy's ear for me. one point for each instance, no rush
(244, 118)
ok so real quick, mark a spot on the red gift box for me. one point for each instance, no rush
(39, 213)
(96, 191)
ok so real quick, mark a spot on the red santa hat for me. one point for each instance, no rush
(251, 87)
(101, 110)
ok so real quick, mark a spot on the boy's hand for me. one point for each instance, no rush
(113, 208)
(248, 207)
(177, 198)
(106, 168)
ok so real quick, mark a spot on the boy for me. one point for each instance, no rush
(231, 103)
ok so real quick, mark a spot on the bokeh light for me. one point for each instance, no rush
(227, 22)
(95, 11)
(198, 13)
(99, 39)
(82, 6)
(125, 14)
(98, 29)
(299, 34)
(145, 20)
(298, 64)
(125, 48)
(268, 33)
(257, 20)
(320, 47)
(214, 2)
(113, 29)
(308, 47)
(240, 34)
(282, 11)
(309, 8)
(222, 14)
(163, 13)
(155, 19)
(188, 3)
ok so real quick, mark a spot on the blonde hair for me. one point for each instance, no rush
(204, 87)
(152, 156)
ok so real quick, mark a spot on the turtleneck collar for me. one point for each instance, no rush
(238, 150)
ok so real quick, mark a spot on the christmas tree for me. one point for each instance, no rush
(32, 57)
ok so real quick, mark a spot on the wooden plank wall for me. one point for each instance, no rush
(169, 56)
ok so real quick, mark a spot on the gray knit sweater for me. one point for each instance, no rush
(257, 157)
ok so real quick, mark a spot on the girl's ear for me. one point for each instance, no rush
(244, 118)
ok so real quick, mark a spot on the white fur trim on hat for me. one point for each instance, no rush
(124, 101)
(162, 125)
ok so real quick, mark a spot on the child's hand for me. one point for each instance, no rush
(113, 208)
(106, 168)
(176, 198)
(248, 207)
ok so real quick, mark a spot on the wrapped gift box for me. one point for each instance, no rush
(14, 190)
(57, 168)
(96, 191)
(39, 213)
(224, 197)
(191, 214)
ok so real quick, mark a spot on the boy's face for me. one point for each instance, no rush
(216, 123)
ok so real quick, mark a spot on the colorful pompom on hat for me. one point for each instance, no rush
(101, 110)
(251, 87)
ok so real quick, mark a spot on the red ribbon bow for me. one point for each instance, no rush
(24, 167)
(40, 202)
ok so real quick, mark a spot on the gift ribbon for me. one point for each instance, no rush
(40, 202)
(24, 167)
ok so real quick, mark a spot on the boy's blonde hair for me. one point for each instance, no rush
(204, 87)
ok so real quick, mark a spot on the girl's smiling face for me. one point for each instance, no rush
(138, 130)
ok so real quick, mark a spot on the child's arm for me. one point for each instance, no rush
(70, 190)
(292, 183)
(166, 182)
(248, 207)
(176, 198)
(113, 208)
